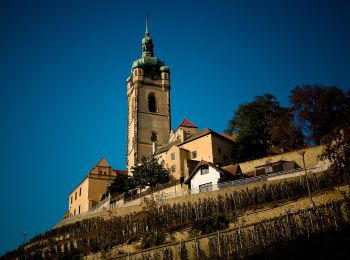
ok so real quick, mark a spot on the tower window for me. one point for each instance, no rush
(152, 105)
(153, 136)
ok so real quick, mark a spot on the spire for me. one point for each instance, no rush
(147, 44)
(146, 32)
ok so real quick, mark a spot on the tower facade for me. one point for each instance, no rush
(148, 91)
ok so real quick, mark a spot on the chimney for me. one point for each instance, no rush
(154, 147)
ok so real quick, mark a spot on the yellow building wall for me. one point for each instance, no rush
(80, 200)
(311, 159)
(203, 146)
(222, 150)
(89, 191)
(142, 122)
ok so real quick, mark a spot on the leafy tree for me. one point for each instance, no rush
(251, 122)
(285, 136)
(337, 151)
(155, 221)
(319, 109)
(150, 172)
(122, 183)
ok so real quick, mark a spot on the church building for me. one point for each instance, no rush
(149, 121)
(148, 91)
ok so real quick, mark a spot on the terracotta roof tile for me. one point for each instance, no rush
(229, 136)
(232, 169)
(121, 172)
(187, 123)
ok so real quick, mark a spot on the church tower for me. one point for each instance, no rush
(148, 90)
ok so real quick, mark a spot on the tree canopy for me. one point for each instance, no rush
(252, 122)
(150, 172)
(264, 127)
(318, 110)
(337, 151)
(285, 135)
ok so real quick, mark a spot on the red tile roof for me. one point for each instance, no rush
(229, 136)
(233, 168)
(187, 123)
(121, 172)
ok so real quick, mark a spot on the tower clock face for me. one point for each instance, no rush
(154, 75)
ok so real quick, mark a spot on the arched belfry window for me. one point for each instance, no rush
(152, 103)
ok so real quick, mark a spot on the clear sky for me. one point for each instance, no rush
(63, 70)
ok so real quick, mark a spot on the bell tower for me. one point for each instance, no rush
(148, 91)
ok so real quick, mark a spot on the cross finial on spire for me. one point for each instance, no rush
(146, 33)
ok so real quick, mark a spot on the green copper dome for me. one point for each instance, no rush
(164, 68)
(148, 62)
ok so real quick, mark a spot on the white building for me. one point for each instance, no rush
(206, 175)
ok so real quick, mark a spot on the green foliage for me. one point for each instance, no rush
(121, 184)
(211, 224)
(150, 172)
(251, 121)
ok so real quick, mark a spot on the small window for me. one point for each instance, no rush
(172, 156)
(219, 150)
(206, 187)
(80, 192)
(79, 209)
(204, 171)
(152, 104)
(100, 172)
(173, 168)
(153, 136)
(74, 212)
(194, 154)
(75, 195)
(268, 169)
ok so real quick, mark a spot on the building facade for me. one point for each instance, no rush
(188, 146)
(148, 92)
(88, 193)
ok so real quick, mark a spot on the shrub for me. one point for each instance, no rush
(211, 224)
(153, 239)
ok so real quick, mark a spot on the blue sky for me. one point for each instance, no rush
(63, 70)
